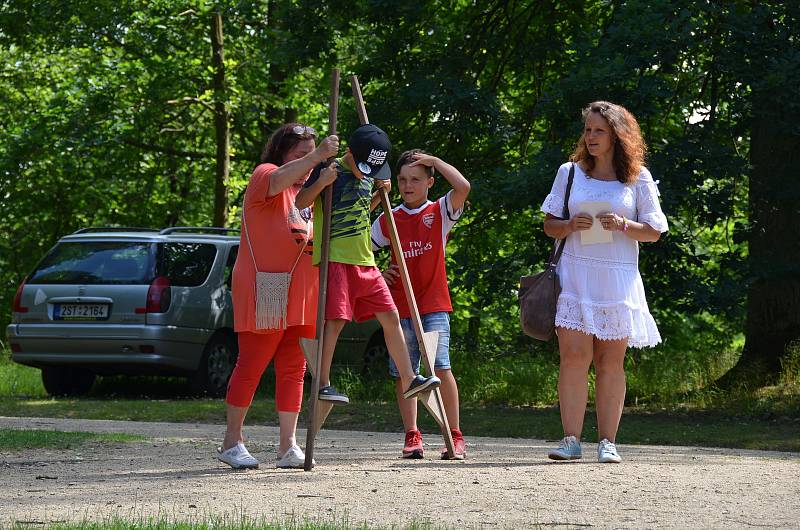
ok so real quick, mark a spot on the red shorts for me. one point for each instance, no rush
(356, 291)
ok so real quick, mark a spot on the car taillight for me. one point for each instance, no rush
(18, 307)
(159, 296)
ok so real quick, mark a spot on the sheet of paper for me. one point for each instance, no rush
(595, 234)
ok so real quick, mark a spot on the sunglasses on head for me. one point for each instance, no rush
(304, 130)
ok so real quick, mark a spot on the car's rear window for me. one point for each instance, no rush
(91, 263)
(187, 264)
(125, 263)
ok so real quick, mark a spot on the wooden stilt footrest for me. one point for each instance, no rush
(319, 408)
(432, 400)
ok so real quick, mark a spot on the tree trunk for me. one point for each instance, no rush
(221, 124)
(773, 297)
(277, 113)
(474, 330)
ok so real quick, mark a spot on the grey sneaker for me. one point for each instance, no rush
(568, 449)
(328, 393)
(607, 452)
(421, 384)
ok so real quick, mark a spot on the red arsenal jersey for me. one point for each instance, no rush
(423, 237)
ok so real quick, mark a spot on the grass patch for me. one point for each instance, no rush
(790, 365)
(226, 521)
(639, 425)
(18, 380)
(502, 396)
(21, 439)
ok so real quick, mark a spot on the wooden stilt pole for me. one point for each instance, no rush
(428, 341)
(319, 410)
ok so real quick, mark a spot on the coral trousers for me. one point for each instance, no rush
(256, 350)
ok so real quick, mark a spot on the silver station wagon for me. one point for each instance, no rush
(107, 301)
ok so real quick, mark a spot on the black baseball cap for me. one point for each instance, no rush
(370, 147)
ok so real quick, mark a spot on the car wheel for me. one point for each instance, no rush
(216, 366)
(67, 381)
(375, 354)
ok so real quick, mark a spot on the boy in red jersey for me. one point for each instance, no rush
(423, 227)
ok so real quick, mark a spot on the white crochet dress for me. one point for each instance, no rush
(601, 290)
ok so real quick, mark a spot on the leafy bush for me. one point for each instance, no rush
(790, 364)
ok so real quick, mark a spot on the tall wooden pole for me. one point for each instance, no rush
(317, 410)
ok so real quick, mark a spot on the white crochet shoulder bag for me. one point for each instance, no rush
(272, 288)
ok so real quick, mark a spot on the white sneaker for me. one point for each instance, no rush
(569, 448)
(238, 457)
(607, 452)
(293, 458)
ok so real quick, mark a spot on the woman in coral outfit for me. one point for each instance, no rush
(276, 237)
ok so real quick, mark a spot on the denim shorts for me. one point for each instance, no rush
(440, 322)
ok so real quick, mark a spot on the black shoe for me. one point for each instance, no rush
(421, 384)
(328, 393)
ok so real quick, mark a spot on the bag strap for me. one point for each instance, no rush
(252, 254)
(558, 248)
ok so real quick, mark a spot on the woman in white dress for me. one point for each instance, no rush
(602, 307)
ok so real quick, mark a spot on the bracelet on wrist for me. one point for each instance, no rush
(624, 224)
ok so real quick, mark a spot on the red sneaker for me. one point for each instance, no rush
(413, 447)
(459, 444)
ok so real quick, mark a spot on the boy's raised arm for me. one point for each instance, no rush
(452, 175)
(307, 195)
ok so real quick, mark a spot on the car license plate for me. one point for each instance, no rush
(80, 312)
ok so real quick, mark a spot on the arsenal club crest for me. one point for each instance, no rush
(428, 219)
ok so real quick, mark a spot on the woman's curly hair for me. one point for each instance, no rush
(629, 146)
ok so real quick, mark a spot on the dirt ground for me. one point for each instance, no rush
(504, 483)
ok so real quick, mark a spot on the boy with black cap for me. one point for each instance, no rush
(356, 288)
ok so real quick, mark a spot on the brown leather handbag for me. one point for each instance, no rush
(538, 294)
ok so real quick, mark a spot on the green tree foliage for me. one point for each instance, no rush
(108, 109)
(107, 120)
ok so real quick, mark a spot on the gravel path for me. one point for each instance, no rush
(504, 483)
